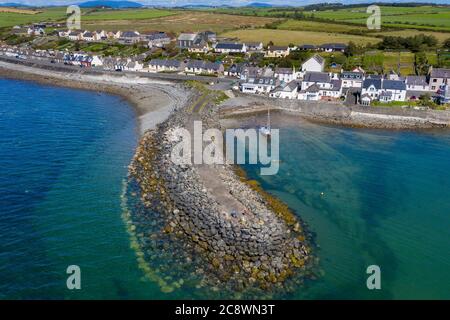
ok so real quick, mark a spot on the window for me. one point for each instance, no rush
(434, 80)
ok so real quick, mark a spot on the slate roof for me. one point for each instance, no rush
(165, 63)
(316, 77)
(440, 73)
(263, 80)
(237, 67)
(369, 82)
(394, 85)
(129, 34)
(284, 71)
(416, 80)
(337, 84)
(307, 47)
(206, 65)
(352, 75)
(334, 46)
(229, 46)
(278, 48)
(313, 88)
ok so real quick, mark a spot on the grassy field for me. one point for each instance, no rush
(433, 18)
(302, 25)
(9, 19)
(286, 37)
(186, 21)
(130, 14)
(441, 36)
(17, 10)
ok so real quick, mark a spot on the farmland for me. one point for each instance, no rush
(9, 19)
(286, 37)
(424, 17)
(185, 21)
(302, 25)
(17, 10)
(129, 14)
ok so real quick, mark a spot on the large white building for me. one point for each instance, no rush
(314, 64)
(382, 90)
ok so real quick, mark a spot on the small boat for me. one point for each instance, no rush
(266, 130)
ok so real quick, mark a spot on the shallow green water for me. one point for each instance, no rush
(385, 202)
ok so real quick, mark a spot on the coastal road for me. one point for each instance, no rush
(218, 82)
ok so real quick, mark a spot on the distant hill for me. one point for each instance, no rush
(259, 5)
(13, 5)
(110, 4)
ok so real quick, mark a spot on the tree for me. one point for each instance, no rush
(425, 100)
(351, 50)
(447, 44)
(421, 63)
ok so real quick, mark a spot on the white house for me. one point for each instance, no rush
(417, 83)
(134, 65)
(88, 36)
(203, 67)
(277, 52)
(382, 90)
(322, 79)
(114, 34)
(351, 79)
(97, 61)
(74, 35)
(158, 65)
(320, 86)
(156, 39)
(224, 47)
(314, 64)
(286, 74)
(254, 46)
(35, 31)
(256, 72)
(259, 85)
(100, 35)
(286, 91)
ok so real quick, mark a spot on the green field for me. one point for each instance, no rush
(129, 14)
(426, 17)
(183, 22)
(286, 37)
(441, 36)
(302, 25)
(9, 19)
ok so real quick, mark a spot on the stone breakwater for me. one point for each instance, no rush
(259, 246)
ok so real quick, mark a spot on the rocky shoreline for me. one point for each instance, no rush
(339, 114)
(260, 246)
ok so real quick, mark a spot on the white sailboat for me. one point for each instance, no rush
(266, 131)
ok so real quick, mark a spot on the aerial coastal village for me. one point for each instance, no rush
(257, 68)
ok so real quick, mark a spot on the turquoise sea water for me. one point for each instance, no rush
(63, 160)
(385, 202)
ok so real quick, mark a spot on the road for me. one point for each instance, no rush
(220, 83)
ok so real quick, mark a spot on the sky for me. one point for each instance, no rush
(216, 2)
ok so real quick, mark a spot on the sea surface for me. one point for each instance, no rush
(371, 197)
